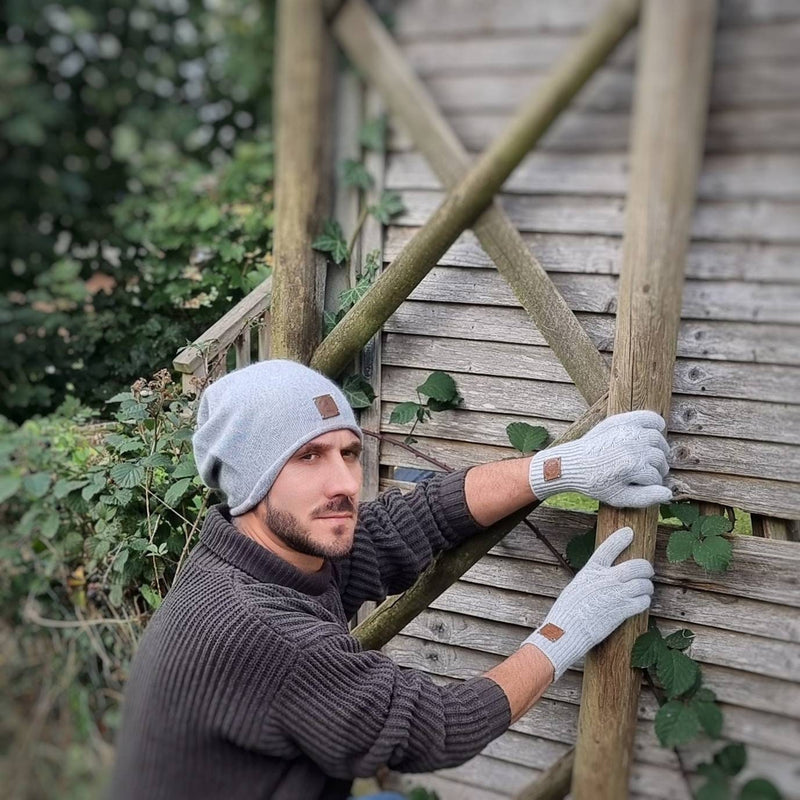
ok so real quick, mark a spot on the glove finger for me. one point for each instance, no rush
(641, 418)
(639, 604)
(656, 439)
(632, 570)
(648, 475)
(643, 496)
(657, 459)
(638, 586)
(608, 551)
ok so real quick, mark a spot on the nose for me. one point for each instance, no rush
(344, 477)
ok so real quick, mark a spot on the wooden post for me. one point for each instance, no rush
(299, 86)
(670, 108)
(774, 528)
(476, 189)
(367, 43)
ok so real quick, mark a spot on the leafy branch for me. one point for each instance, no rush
(442, 394)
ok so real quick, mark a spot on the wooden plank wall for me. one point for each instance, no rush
(736, 412)
(735, 419)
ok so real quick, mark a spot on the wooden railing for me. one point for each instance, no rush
(206, 358)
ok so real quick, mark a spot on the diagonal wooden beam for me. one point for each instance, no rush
(371, 48)
(670, 109)
(475, 190)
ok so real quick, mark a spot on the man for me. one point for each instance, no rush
(247, 683)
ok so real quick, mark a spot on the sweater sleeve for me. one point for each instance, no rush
(398, 535)
(352, 712)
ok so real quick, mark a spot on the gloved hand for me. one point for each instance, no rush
(622, 461)
(597, 600)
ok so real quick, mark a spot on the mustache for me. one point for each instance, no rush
(338, 506)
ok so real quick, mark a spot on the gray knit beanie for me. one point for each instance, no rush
(251, 421)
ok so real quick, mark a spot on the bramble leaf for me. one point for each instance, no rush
(580, 549)
(716, 788)
(714, 524)
(676, 671)
(710, 716)
(439, 386)
(152, 597)
(680, 640)
(680, 545)
(176, 491)
(676, 724)
(687, 513)
(732, 758)
(127, 474)
(404, 413)
(759, 789)
(714, 553)
(527, 438)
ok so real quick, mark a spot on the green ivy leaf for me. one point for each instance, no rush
(579, 549)
(373, 133)
(439, 386)
(687, 513)
(355, 175)
(527, 438)
(388, 207)
(358, 391)
(332, 241)
(404, 413)
(647, 649)
(713, 553)
(151, 596)
(680, 545)
(127, 474)
(710, 716)
(676, 724)
(176, 491)
(759, 789)
(732, 758)
(680, 640)
(36, 484)
(714, 524)
(676, 671)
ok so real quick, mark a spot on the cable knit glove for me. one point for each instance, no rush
(597, 600)
(622, 461)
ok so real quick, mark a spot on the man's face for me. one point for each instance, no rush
(312, 505)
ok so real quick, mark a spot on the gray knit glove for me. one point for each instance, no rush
(622, 461)
(597, 600)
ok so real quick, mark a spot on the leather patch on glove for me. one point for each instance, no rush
(551, 632)
(552, 469)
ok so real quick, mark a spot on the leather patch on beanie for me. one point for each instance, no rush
(551, 632)
(552, 469)
(326, 406)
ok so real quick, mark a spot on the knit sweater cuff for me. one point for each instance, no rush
(453, 502)
(498, 709)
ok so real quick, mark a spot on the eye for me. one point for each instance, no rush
(308, 456)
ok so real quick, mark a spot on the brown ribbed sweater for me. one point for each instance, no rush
(248, 684)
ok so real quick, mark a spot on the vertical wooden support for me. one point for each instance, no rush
(242, 346)
(300, 80)
(670, 107)
(773, 528)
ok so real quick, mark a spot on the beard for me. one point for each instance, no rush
(292, 533)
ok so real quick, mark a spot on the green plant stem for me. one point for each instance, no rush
(359, 225)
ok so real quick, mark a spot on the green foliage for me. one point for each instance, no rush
(332, 241)
(420, 793)
(358, 391)
(527, 438)
(719, 773)
(349, 297)
(580, 549)
(135, 187)
(388, 207)
(701, 538)
(372, 135)
(355, 175)
(442, 393)
(96, 522)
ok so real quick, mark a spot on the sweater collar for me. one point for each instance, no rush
(230, 544)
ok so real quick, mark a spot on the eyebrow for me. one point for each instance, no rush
(312, 447)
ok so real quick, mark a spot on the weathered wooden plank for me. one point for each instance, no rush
(740, 651)
(611, 89)
(723, 177)
(746, 220)
(600, 254)
(745, 342)
(737, 130)
(457, 18)
(739, 419)
(491, 773)
(730, 301)
(692, 377)
(481, 54)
